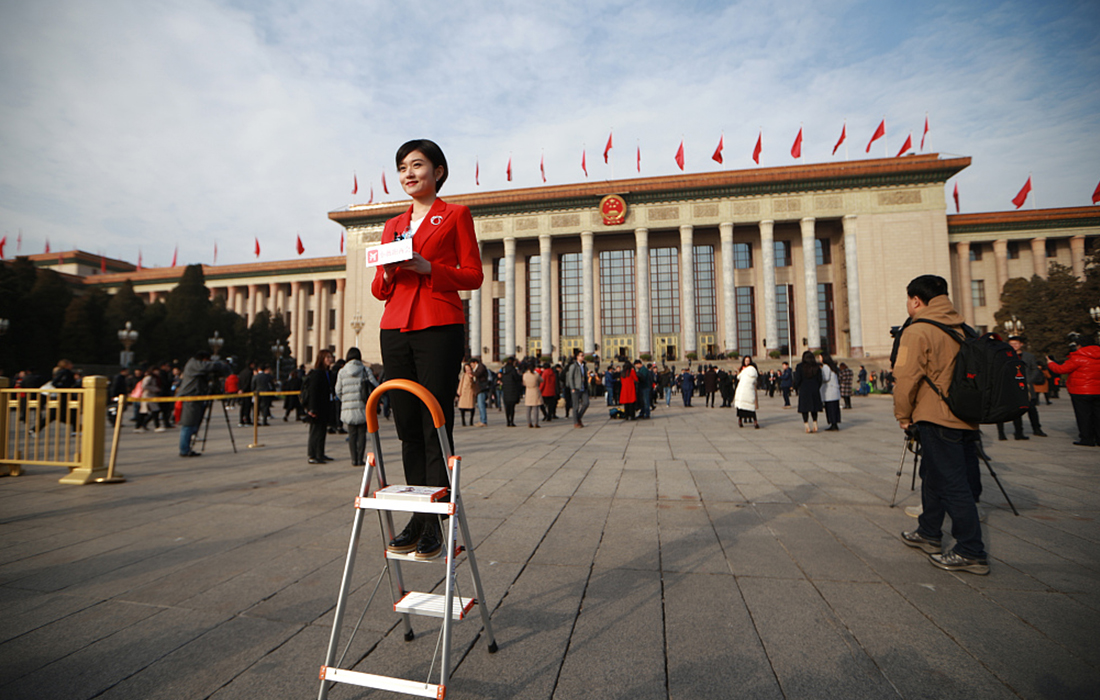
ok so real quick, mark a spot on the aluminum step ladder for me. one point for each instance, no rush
(386, 500)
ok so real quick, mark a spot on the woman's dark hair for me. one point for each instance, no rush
(431, 151)
(827, 359)
(354, 354)
(809, 366)
(320, 363)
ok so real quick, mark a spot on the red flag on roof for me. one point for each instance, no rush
(257, 246)
(1096, 194)
(174, 254)
(584, 162)
(355, 187)
(956, 196)
(3, 242)
(47, 245)
(542, 167)
(759, 147)
(371, 200)
(341, 241)
(796, 149)
(607, 148)
(103, 263)
(1021, 197)
(639, 157)
(60, 259)
(843, 135)
(139, 259)
(509, 171)
(879, 133)
(299, 247)
(907, 146)
(384, 188)
(215, 252)
(680, 155)
(717, 157)
(922, 136)
(477, 173)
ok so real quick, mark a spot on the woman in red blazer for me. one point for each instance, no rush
(423, 337)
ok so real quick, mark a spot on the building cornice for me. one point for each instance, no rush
(154, 275)
(1030, 220)
(882, 172)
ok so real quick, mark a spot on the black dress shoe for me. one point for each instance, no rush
(431, 541)
(192, 453)
(1021, 437)
(326, 458)
(1039, 433)
(409, 537)
(1083, 444)
(315, 461)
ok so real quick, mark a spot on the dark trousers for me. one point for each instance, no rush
(510, 413)
(316, 446)
(948, 462)
(549, 407)
(357, 443)
(786, 395)
(432, 358)
(580, 405)
(1018, 421)
(1086, 408)
(246, 409)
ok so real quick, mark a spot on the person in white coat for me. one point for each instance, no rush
(744, 398)
(830, 390)
(353, 387)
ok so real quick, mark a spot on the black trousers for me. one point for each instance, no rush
(316, 446)
(357, 443)
(432, 358)
(1086, 408)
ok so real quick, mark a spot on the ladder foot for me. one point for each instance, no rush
(410, 635)
(493, 647)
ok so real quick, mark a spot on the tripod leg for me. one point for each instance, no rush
(916, 458)
(209, 411)
(229, 427)
(999, 485)
(901, 467)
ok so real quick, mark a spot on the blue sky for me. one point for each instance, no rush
(163, 123)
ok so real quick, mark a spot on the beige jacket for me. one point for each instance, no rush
(927, 351)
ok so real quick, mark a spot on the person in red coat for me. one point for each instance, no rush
(549, 392)
(422, 333)
(628, 393)
(1083, 384)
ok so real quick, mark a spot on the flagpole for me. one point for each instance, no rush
(844, 130)
(1033, 195)
(885, 140)
(611, 153)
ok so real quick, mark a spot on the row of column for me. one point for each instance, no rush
(644, 337)
(1000, 255)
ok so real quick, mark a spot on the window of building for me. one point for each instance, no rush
(975, 251)
(977, 293)
(617, 304)
(1013, 250)
(784, 317)
(1052, 247)
(746, 321)
(534, 296)
(570, 304)
(664, 289)
(706, 289)
(782, 253)
(309, 320)
(742, 256)
(827, 323)
(498, 269)
(332, 319)
(499, 350)
(823, 251)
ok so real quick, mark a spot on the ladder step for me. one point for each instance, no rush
(370, 680)
(405, 506)
(431, 605)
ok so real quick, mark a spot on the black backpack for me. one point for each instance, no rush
(989, 384)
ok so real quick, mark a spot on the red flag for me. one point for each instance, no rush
(879, 133)
(843, 135)
(371, 200)
(925, 132)
(257, 246)
(509, 172)
(584, 162)
(341, 241)
(3, 242)
(477, 173)
(47, 245)
(384, 188)
(174, 254)
(19, 242)
(956, 196)
(1021, 197)
(907, 146)
(301, 248)
(355, 187)
(60, 259)
(639, 158)
(717, 157)
(796, 149)
(680, 155)
(607, 148)
(759, 147)
(542, 167)
(103, 263)
(139, 259)
(215, 252)
(1096, 194)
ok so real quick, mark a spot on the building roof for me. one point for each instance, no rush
(1023, 220)
(727, 183)
(215, 272)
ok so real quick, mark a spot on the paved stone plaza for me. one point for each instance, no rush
(678, 557)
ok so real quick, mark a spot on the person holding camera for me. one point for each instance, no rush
(922, 372)
(1083, 382)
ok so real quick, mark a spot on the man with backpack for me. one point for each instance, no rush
(923, 372)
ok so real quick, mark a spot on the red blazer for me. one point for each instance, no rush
(445, 239)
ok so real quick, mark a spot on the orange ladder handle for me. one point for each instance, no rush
(406, 385)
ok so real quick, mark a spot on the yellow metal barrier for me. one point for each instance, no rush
(54, 427)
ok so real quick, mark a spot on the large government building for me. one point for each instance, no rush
(763, 261)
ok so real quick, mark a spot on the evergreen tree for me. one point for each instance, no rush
(187, 322)
(84, 335)
(43, 311)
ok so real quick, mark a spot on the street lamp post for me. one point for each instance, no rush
(216, 344)
(357, 325)
(277, 349)
(127, 336)
(1014, 327)
(1094, 312)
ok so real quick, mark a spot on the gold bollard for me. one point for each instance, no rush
(92, 433)
(7, 468)
(255, 421)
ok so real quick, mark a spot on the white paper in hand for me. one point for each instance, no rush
(387, 253)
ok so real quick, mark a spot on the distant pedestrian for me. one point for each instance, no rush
(318, 394)
(744, 400)
(576, 382)
(511, 390)
(195, 381)
(1083, 383)
(786, 383)
(807, 381)
(846, 385)
(830, 390)
(532, 397)
(353, 388)
(467, 393)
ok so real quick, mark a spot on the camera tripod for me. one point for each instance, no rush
(912, 444)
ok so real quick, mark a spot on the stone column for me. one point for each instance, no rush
(687, 288)
(964, 298)
(153, 296)
(1039, 256)
(278, 296)
(270, 298)
(643, 325)
(588, 301)
(809, 271)
(546, 329)
(338, 304)
(767, 261)
(253, 291)
(474, 331)
(315, 336)
(1077, 256)
(509, 296)
(325, 334)
(851, 273)
(1000, 253)
(729, 298)
(297, 337)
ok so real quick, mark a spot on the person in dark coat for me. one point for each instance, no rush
(807, 380)
(195, 381)
(290, 401)
(687, 386)
(319, 390)
(511, 386)
(725, 387)
(710, 385)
